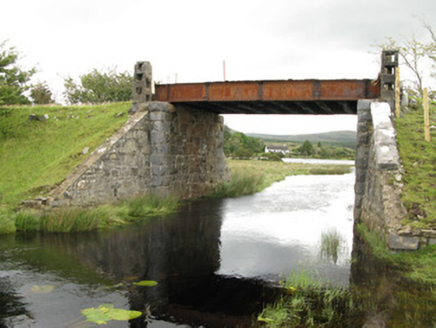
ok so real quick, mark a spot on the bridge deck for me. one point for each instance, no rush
(271, 97)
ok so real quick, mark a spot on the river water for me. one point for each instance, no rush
(216, 261)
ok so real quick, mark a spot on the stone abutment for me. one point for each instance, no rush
(160, 150)
(378, 185)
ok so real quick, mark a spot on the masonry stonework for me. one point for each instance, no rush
(161, 150)
(378, 185)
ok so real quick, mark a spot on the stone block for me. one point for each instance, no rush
(396, 242)
(432, 241)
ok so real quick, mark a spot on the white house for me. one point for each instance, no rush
(277, 149)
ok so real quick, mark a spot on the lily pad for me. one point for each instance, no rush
(146, 283)
(107, 312)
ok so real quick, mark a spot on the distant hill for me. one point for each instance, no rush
(336, 138)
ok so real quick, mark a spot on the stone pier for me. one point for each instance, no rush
(161, 149)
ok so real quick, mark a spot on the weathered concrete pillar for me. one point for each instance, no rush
(389, 64)
(142, 84)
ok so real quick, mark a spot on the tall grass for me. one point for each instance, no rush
(249, 177)
(77, 219)
(241, 183)
(308, 303)
(151, 205)
(332, 246)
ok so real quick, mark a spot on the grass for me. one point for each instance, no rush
(249, 176)
(332, 246)
(76, 219)
(309, 302)
(35, 156)
(418, 158)
(417, 266)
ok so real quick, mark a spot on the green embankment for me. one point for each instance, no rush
(36, 155)
(418, 158)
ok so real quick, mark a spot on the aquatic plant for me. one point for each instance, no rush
(332, 246)
(241, 183)
(311, 303)
(107, 312)
(150, 205)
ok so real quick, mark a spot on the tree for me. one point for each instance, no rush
(41, 94)
(97, 87)
(14, 81)
(306, 149)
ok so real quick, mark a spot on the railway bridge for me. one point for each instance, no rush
(173, 140)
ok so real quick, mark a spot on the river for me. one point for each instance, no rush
(216, 261)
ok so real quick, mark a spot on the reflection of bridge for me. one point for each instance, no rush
(271, 97)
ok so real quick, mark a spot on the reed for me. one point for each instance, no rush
(151, 205)
(241, 183)
(27, 221)
(332, 246)
(307, 302)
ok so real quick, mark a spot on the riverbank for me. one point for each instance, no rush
(248, 177)
(391, 290)
(251, 176)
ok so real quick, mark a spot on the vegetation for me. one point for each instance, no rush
(98, 87)
(332, 246)
(41, 94)
(249, 177)
(14, 81)
(35, 155)
(415, 55)
(345, 139)
(418, 158)
(76, 219)
(238, 145)
(309, 302)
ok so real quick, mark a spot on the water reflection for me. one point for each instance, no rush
(215, 261)
(269, 234)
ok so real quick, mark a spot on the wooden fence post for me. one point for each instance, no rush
(426, 115)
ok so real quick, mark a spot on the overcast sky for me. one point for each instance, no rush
(190, 39)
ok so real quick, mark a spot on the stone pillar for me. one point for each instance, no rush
(364, 129)
(389, 63)
(142, 84)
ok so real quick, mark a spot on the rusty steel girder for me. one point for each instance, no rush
(263, 97)
(287, 90)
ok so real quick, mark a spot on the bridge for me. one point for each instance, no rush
(173, 140)
(271, 97)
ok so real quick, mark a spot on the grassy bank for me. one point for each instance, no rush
(249, 176)
(418, 158)
(36, 155)
(76, 219)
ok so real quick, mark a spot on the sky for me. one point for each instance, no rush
(188, 41)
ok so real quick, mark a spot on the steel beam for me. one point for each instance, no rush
(286, 90)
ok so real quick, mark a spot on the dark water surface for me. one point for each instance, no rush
(216, 262)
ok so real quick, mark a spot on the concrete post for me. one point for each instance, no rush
(389, 65)
(142, 84)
